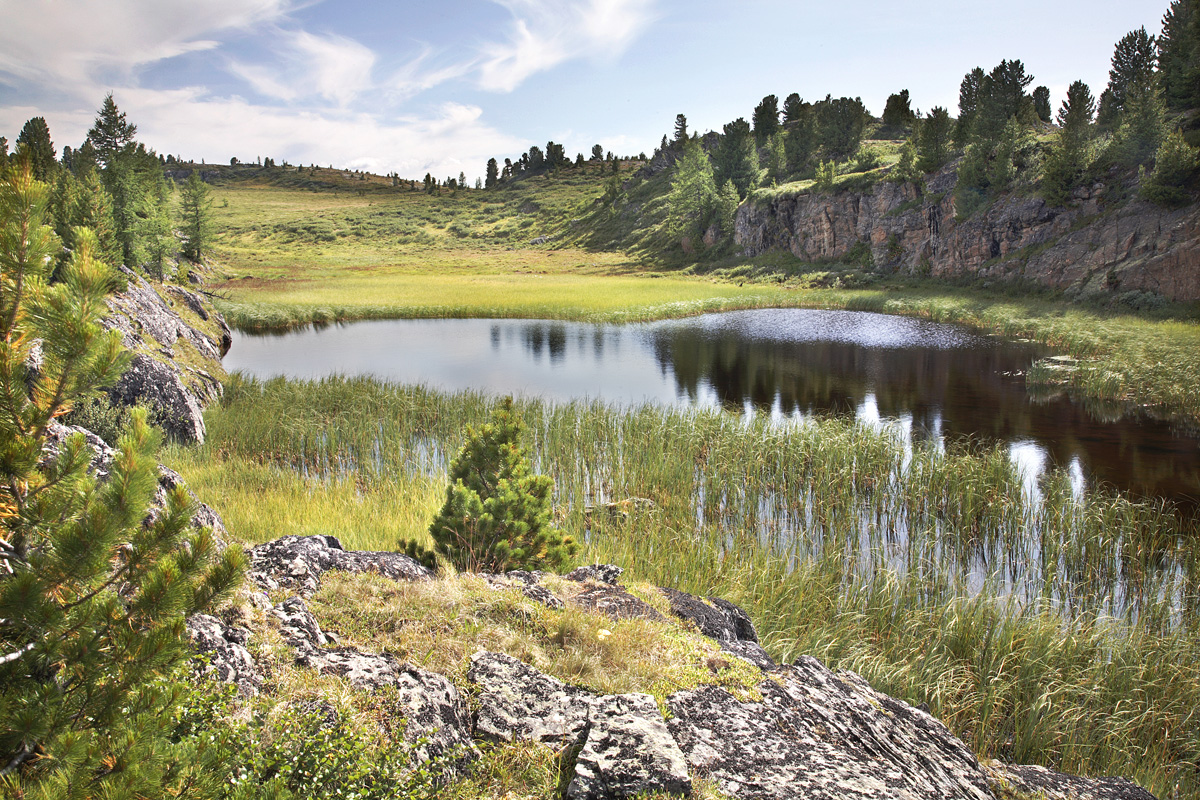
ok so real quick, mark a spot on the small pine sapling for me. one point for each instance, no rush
(497, 511)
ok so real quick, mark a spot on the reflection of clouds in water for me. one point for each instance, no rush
(862, 328)
(1077, 477)
(1030, 460)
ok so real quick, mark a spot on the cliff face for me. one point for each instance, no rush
(1089, 247)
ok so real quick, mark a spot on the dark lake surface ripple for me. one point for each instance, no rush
(933, 382)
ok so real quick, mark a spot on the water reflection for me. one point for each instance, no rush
(935, 382)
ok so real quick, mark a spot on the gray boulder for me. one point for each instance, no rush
(223, 653)
(616, 603)
(1050, 785)
(599, 573)
(517, 703)
(723, 621)
(149, 381)
(823, 736)
(296, 563)
(628, 752)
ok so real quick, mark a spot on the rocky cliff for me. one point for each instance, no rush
(1094, 245)
(177, 342)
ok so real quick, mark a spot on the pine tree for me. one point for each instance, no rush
(34, 141)
(195, 209)
(737, 158)
(681, 129)
(1142, 126)
(968, 105)
(693, 196)
(92, 595)
(1176, 167)
(1070, 154)
(493, 174)
(1041, 103)
(1179, 54)
(1133, 63)
(776, 158)
(800, 140)
(897, 112)
(839, 125)
(497, 512)
(793, 109)
(766, 119)
(111, 133)
(933, 140)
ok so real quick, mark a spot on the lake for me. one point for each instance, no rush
(931, 381)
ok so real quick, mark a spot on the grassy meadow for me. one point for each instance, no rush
(1062, 632)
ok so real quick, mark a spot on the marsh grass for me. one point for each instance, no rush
(1048, 630)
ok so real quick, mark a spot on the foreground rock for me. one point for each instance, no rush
(296, 563)
(1046, 783)
(807, 732)
(628, 752)
(101, 463)
(824, 736)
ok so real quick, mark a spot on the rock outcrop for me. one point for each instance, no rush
(177, 344)
(296, 563)
(804, 730)
(1089, 247)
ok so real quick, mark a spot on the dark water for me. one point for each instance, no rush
(935, 382)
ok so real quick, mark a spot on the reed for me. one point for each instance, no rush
(1041, 627)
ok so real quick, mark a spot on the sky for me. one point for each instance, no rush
(440, 86)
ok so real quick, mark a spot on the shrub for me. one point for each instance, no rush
(497, 512)
(1176, 164)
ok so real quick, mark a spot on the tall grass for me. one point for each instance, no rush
(1053, 630)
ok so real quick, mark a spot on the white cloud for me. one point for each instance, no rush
(333, 67)
(546, 33)
(191, 124)
(73, 44)
(418, 75)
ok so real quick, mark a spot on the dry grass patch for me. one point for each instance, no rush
(439, 624)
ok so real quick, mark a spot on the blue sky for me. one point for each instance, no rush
(440, 86)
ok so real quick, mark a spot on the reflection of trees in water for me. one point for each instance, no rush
(551, 338)
(964, 393)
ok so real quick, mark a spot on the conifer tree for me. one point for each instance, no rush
(897, 112)
(35, 141)
(737, 158)
(92, 595)
(1041, 103)
(1176, 168)
(1133, 62)
(195, 208)
(693, 197)
(1070, 154)
(793, 108)
(111, 133)
(766, 119)
(681, 129)
(968, 105)
(1179, 54)
(933, 140)
(493, 174)
(497, 512)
